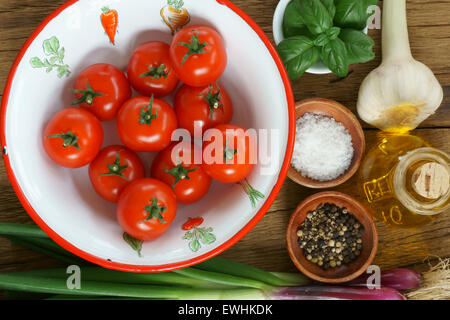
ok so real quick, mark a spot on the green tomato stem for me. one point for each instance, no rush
(156, 72)
(87, 96)
(194, 46)
(147, 115)
(115, 169)
(69, 139)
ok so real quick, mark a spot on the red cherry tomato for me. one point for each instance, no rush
(150, 70)
(207, 106)
(176, 167)
(73, 137)
(146, 124)
(230, 154)
(102, 88)
(198, 55)
(113, 169)
(146, 209)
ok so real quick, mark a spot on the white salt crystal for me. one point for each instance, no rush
(323, 147)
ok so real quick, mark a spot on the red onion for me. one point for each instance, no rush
(335, 293)
(399, 279)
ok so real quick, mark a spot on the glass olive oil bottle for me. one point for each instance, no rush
(405, 181)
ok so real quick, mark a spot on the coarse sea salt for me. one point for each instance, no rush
(323, 147)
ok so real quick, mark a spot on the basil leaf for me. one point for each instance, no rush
(334, 55)
(315, 16)
(329, 4)
(293, 24)
(333, 32)
(324, 38)
(298, 54)
(321, 40)
(359, 46)
(353, 13)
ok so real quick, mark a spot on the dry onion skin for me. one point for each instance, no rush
(436, 283)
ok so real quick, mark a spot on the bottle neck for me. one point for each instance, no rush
(421, 181)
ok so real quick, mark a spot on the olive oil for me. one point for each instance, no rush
(404, 181)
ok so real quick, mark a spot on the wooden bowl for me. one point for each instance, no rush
(341, 114)
(343, 273)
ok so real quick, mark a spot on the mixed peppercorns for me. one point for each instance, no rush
(330, 236)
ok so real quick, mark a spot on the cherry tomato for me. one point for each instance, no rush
(102, 89)
(176, 167)
(150, 70)
(113, 169)
(146, 124)
(207, 107)
(229, 153)
(198, 55)
(73, 137)
(146, 209)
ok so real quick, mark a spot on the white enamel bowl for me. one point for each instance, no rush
(63, 202)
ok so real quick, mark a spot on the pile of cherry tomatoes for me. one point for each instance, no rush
(147, 206)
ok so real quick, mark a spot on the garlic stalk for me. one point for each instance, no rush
(402, 92)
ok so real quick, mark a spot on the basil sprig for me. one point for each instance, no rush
(329, 29)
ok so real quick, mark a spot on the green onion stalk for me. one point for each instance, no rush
(215, 279)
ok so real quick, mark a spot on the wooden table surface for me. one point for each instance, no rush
(264, 246)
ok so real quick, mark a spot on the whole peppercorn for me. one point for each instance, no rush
(330, 236)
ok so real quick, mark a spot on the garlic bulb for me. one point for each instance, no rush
(401, 92)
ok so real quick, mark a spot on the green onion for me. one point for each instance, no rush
(107, 275)
(42, 244)
(23, 230)
(221, 278)
(43, 250)
(38, 284)
(292, 279)
(51, 245)
(18, 282)
(222, 265)
(33, 238)
(215, 279)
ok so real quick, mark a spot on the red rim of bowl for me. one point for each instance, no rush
(166, 267)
